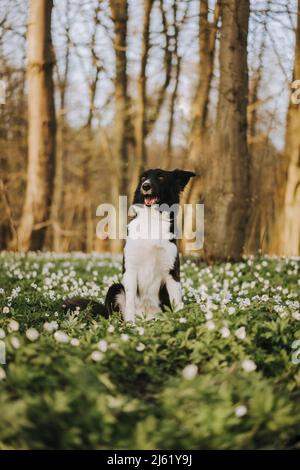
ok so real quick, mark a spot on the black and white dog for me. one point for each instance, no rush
(151, 271)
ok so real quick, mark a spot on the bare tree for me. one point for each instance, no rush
(62, 84)
(178, 23)
(290, 223)
(227, 182)
(42, 127)
(155, 109)
(199, 147)
(261, 152)
(207, 45)
(141, 105)
(199, 142)
(119, 9)
(97, 67)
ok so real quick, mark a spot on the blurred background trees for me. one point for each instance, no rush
(197, 84)
(33, 224)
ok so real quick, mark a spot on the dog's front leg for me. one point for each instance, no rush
(174, 291)
(130, 285)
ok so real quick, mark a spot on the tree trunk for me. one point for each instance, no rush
(57, 209)
(290, 226)
(198, 138)
(227, 182)
(122, 129)
(140, 127)
(207, 46)
(154, 112)
(261, 197)
(89, 230)
(168, 155)
(199, 149)
(119, 10)
(42, 128)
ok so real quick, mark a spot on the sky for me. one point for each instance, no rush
(277, 58)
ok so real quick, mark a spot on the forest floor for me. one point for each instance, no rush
(222, 373)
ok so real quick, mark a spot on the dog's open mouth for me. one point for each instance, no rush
(150, 200)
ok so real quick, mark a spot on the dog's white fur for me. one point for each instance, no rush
(149, 256)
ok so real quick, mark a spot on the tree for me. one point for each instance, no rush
(259, 200)
(42, 128)
(141, 123)
(177, 24)
(199, 141)
(207, 46)
(290, 223)
(227, 181)
(119, 9)
(57, 208)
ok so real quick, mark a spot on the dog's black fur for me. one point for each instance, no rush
(165, 187)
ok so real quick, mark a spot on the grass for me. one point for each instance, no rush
(220, 374)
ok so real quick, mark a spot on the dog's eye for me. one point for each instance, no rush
(161, 178)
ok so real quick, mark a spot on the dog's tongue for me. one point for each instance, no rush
(150, 200)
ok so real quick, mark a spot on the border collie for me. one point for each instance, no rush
(151, 270)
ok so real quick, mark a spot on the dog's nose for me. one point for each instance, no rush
(146, 186)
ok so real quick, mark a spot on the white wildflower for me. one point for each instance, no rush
(13, 326)
(296, 315)
(225, 332)
(209, 315)
(15, 342)
(97, 356)
(75, 342)
(182, 320)
(61, 337)
(248, 365)
(231, 310)
(190, 371)
(111, 329)
(240, 333)
(278, 308)
(140, 347)
(5, 310)
(241, 411)
(124, 337)
(32, 334)
(210, 325)
(102, 345)
(51, 326)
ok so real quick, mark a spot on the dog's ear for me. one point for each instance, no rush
(182, 177)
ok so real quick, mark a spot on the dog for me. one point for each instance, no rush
(151, 267)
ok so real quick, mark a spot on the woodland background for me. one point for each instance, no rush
(97, 90)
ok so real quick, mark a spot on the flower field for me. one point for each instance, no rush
(223, 373)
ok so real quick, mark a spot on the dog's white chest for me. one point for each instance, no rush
(149, 257)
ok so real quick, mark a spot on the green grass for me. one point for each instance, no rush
(137, 391)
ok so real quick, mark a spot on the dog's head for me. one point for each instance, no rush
(161, 186)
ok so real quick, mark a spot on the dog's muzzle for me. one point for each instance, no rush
(146, 187)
